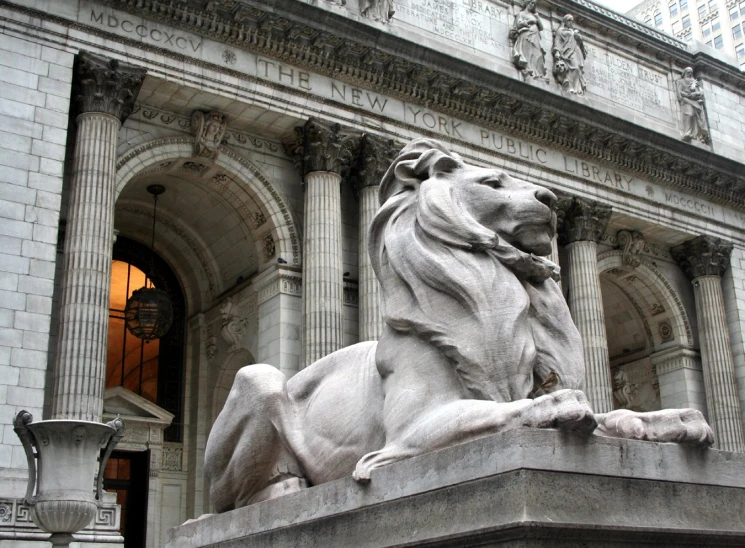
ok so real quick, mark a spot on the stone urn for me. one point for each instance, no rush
(65, 471)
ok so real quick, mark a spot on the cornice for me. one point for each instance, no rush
(344, 49)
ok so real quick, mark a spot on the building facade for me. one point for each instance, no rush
(719, 24)
(270, 125)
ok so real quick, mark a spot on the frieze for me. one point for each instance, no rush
(280, 281)
(165, 118)
(338, 57)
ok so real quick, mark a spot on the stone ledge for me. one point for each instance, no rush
(522, 488)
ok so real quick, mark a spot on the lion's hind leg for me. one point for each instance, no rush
(669, 425)
(246, 459)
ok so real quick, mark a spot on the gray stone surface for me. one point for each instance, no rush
(525, 487)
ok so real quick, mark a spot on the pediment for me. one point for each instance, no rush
(125, 403)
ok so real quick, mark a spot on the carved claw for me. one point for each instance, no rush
(564, 409)
(686, 426)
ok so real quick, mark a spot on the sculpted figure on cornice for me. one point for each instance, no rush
(694, 124)
(209, 129)
(378, 10)
(528, 54)
(569, 57)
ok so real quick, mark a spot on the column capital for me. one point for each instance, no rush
(320, 146)
(376, 156)
(106, 85)
(703, 256)
(581, 220)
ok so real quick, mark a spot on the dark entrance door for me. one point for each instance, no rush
(127, 475)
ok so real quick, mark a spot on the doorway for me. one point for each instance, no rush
(127, 475)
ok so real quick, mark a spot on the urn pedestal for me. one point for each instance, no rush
(65, 471)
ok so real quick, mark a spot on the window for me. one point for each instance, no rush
(734, 14)
(718, 42)
(736, 32)
(715, 25)
(676, 27)
(702, 9)
(648, 21)
(658, 19)
(686, 21)
(683, 5)
(154, 370)
(673, 9)
(709, 43)
(740, 51)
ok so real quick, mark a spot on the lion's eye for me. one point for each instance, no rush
(492, 182)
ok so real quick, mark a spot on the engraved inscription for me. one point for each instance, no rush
(147, 32)
(476, 23)
(626, 82)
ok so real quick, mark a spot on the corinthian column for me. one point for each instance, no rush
(376, 155)
(583, 223)
(704, 260)
(324, 154)
(105, 90)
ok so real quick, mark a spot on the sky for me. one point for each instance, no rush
(621, 6)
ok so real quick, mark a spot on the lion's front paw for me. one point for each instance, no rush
(669, 425)
(565, 409)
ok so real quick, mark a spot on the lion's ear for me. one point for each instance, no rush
(444, 164)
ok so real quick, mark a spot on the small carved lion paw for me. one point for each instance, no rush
(565, 409)
(669, 425)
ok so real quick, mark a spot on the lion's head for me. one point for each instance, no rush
(456, 250)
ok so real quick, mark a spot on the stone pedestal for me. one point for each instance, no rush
(526, 487)
(582, 224)
(106, 92)
(704, 260)
(324, 154)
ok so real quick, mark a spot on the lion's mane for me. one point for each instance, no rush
(443, 276)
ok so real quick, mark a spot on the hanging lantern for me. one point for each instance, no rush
(148, 313)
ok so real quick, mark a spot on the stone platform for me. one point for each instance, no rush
(522, 488)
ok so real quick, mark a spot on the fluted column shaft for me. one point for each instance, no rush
(105, 90)
(323, 283)
(719, 367)
(586, 306)
(84, 305)
(581, 224)
(704, 260)
(371, 322)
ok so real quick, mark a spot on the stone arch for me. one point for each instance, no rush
(231, 175)
(654, 298)
(234, 361)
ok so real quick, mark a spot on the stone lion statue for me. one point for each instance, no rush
(477, 340)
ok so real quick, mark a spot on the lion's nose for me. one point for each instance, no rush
(546, 197)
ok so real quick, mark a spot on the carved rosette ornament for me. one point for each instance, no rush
(106, 85)
(703, 256)
(376, 155)
(320, 146)
(632, 243)
(581, 220)
(209, 129)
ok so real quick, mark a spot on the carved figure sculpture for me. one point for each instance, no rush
(528, 54)
(691, 101)
(569, 57)
(209, 129)
(377, 10)
(633, 244)
(478, 339)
